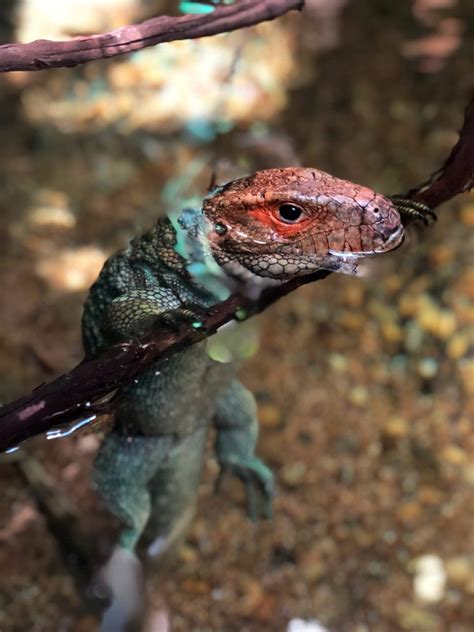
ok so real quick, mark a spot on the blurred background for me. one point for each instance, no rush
(365, 385)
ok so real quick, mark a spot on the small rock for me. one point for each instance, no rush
(299, 625)
(429, 495)
(188, 554)
(468, 474)
(293, 474)
(408, 512)
(427, 368)
(392, 332)
(458, 345)
(454, 455)
(416, 619)
(460, 570)
(359, 395)
(396, 427)
(312, 565)
(438, 322)
(50, 217)
(429, 582)
(252, 594)
(337, 362)
(269, 415)
(413, 337)
(466, 370)
(441, 255)
(467, 215)
(71, 269)
(196, 586)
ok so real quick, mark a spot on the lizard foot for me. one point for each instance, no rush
(412, 211)
(258, 482)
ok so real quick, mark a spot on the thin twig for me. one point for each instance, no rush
(43, 54)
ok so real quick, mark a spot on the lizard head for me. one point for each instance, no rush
(281, 223)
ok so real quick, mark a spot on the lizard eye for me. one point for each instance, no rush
(289, 213)
(220, 229)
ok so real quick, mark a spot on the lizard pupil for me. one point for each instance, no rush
(290, 213)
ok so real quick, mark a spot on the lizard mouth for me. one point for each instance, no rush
(393, 241)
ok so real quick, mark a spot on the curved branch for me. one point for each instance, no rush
(457, 174)
(76, 394)
(42, 54)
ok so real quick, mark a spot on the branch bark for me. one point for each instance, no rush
(77, 394)
(457, 174)
(43, 54)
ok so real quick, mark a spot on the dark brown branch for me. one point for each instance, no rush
(77, 394)
(457, 174)
(43, 54)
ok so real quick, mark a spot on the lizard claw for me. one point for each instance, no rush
(187, 314)
(412, 211)
(257, 479)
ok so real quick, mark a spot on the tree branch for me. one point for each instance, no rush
(457, 174)
(42, 54)
(78, 394)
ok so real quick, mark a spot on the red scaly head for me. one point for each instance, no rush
(281, 223)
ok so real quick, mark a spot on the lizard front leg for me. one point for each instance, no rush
(136, 312)
(237, 431)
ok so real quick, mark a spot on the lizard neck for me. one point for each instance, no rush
(222, 276)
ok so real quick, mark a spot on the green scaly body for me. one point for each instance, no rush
(148, 467)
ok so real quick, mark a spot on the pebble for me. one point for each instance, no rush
(427, 368)
(438, 322)
(48, 217)
(195, 586)
(458, 345)
(430, 495)
(429, 582)
(312, 565)
(392, 332)
(466, 371)
(71, 269)
(300, 625)
(293, 474)
(359, 395)
(252, 593)
(415, 619)
(454, 455)
(460, 571)
(396, 427)
(188, 554)
(441, 255)
(337, 362)
(467, 215)
(269, 415)
(468, 474)
(408, 512)
(414, 336)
